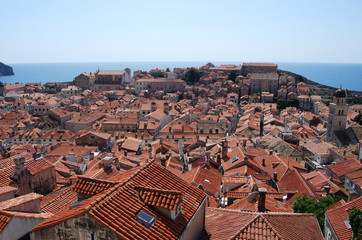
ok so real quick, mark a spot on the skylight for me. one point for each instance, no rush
(234, 159)
(145, 219)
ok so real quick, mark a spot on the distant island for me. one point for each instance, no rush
(5, 70)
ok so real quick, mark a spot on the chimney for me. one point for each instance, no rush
(244, 143)
(275, 176)
(145, 125)
(261, 202)
(125, 152)
(224, 150)
(19, 163)
(166, 108)
(327, 188)
(263, 162)
(163, 161)
(270, 152)
(218, 159)
(71, 157)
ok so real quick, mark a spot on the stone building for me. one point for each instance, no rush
(264, 82)
(337, 117)
(155, 84)
(85, 81)
(259, 68)
(101, 140)
(111, 80)
(37, 175)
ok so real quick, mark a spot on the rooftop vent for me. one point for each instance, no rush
(145, 219)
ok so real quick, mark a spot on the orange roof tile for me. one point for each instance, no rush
(117, 207)
(338, 214)
(91, 186)
(159, 198)
(4, 220)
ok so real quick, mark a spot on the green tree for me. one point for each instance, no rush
(355, 220)
(158, 74)
(232, 76)
(358, 119)
(192, 76)
(319, 206)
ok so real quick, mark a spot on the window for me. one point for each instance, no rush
(145, 219)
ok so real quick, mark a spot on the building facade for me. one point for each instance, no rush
(156, 84)
(337, 115)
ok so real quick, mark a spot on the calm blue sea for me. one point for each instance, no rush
(332, 74)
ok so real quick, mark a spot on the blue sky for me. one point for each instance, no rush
(245, 30)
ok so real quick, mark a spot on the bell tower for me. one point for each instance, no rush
(337, 114)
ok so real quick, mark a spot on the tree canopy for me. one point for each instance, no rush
(358, 119)
(192, 76)
(355, 220)
(232, 76)
(317, 206)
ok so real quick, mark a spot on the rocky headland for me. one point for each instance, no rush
(5, 70)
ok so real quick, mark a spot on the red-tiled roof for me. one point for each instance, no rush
(19, 200)
(256, 225)
(339, 213)
(210, 180)
(345, 167)
(91, 186)
(4, 220)
(117, 207)
(159, 198)
(58, 200)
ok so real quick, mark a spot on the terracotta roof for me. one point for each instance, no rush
(58, 200)
(159, 198)
(339, 213)
(210, 180)
(5, 205)
(256, 225)
(4, 220)
(91, 186)
(345, 167)
(117, 207)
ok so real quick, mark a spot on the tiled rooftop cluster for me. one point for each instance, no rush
(150, 155)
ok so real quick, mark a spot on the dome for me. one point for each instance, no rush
(340, 93)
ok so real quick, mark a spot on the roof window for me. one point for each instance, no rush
(234, 159)
(145, 219)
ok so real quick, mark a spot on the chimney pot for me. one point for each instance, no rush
(275, 175)
(261, 202)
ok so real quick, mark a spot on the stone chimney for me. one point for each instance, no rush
(275, 176)
(163, 161)
(224, 150)
(153, 106)
(19, 163)
(261, 202)
(22, 177)
(166, 108)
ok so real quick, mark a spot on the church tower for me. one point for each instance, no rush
(337, 114)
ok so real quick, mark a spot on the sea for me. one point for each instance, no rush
(347, 75)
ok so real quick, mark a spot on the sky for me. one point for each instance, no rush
(244, 30)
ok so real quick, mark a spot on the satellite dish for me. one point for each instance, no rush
(253, 197)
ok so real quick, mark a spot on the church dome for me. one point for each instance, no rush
(340, 93)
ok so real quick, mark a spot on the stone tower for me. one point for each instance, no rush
(337, 114)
